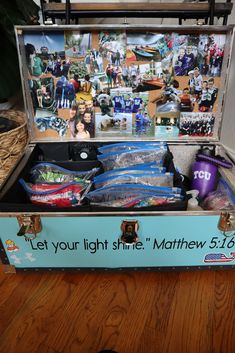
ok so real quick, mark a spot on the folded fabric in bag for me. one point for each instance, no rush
(150, 168)
(114, 160)
(59, 195)
(127, 195)
(137, 175)
(156, 179)
(52, 173)
(129, 146)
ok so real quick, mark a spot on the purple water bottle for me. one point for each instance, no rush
(204, 174)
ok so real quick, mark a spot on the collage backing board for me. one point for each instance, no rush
(82, 83)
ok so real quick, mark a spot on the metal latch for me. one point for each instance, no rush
(29, 224)
(129, 232)
(227, 224)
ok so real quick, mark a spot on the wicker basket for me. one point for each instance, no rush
(13, 142)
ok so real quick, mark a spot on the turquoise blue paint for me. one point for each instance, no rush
(93, 242)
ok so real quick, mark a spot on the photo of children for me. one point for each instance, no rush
(196, 124)
(80, 130)
(76, 44)
(82, 120)
(205, 52)
(118, 101)
(185, 61)
(185, 54)
(143, 124)
(113, 76)
(125, 101)
(64, 93)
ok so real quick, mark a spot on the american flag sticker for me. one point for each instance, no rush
(219, 257)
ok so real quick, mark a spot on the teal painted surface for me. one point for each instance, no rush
(94, 242)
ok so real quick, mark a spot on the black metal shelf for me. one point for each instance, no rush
(189, 10)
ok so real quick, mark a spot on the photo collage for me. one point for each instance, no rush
(123, 84)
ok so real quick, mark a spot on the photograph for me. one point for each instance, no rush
(50, 124)
(147, 47)
(82, 120)
(76, 44)
(205, 52)
(196, 124)
(146, 77)
(45, 54)
(120, 125)
(112, 47)
(210, 54)
(143, 124)
(192, 93)
(185, 48)
(167, 125)
(42, 92)
(125, 100)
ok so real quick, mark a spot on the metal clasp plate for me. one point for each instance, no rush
(226, 224)
(129, 232)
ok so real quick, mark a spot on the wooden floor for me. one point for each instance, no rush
(131, 312)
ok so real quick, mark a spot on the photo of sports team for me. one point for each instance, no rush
(118, 84)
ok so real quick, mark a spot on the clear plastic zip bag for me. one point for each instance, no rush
(129, 146)
(52, 173)
(156, 179)
(57, 195)
(130, 170)
(125, 193)
(124, 159)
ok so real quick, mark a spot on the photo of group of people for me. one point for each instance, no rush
(200, 124)
(97, 84)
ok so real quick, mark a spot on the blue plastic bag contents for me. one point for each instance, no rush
(127, 158)
(130, 195)
(57, 195)
(56, 186)
(150, 168)
(129, 146)
(52, 173)
(154, 179)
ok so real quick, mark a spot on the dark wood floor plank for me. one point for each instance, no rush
(132, 330)
(191, 314)
(34, 316)
(16, 291)
(158, 321)
(224, 313)
(130, 312)
(103, 304)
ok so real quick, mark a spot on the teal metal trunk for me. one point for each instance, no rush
(94, 242)
(86, 88)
